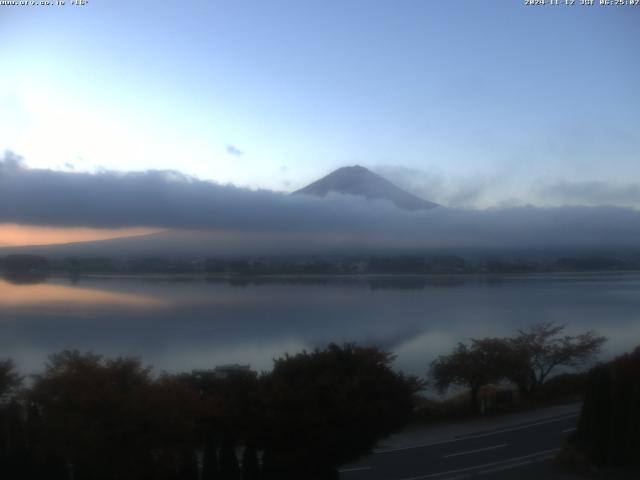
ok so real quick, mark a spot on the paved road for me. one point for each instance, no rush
(484, 453)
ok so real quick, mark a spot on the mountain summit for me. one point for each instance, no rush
(362, 182)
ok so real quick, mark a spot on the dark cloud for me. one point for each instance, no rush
(161, 199)
(168, 199)
(232, 150)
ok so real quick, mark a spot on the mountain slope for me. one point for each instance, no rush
(362, 182)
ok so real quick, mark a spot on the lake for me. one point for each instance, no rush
(177, 324)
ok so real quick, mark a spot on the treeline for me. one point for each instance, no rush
(388, 265)
(609, 426)
(87, 417)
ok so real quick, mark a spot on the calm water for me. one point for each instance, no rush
(182, 324)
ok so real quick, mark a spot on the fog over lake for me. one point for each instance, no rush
(177, 324)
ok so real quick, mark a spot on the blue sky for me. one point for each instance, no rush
(469, 103)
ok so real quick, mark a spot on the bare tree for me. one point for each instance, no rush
(540, 349)
(526, 360)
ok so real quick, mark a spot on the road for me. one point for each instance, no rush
(484, 453)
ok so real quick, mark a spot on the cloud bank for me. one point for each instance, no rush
(168, 199)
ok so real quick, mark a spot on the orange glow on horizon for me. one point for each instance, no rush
(14, 235)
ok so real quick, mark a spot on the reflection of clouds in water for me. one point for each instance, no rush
(195, 292)
(415, 355)
(621, 338)
(204, 323)
(40, 295)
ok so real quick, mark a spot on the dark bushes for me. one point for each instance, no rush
(329, 407)
(609, 426)
(90, 418)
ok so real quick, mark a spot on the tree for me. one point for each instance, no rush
(472, 366)
(526, 360)
(609, 425)
(229, 403)
(210, 460)
(230, 410)
(188, 464)
(13, 432)
(250, 464)
(9, 378)
(328, 407)
(94, 415)
(537, 351)
(229, 466)
(13, 442)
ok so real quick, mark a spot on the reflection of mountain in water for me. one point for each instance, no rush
(187, 322)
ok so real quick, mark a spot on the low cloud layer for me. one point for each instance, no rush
(509, 190)
(168, 199)
(591, 193)
(453, 191)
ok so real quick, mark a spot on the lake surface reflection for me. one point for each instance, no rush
(180, 324)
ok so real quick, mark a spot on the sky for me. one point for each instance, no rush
(468, 104)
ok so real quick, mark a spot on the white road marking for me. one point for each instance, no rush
(515, 460)
(458, 454)
(511, 466)
(569, 430)
(354, 469)
(479, 435)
